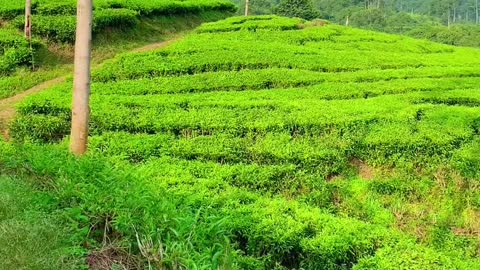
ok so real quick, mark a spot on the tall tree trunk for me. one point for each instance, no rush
(81, 82)
(449, 17)
(28, 19)
(477, 18)
(247, 7)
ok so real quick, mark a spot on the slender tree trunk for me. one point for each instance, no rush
(449, 16)
(28, 19)
(477, 18)
(347, 22)
(247, 7)
(81, 82)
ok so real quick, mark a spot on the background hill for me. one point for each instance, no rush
(454, 22)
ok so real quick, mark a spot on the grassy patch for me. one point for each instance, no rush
(31, 235)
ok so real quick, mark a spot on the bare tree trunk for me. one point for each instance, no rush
(81, 87)
(347, 22)
(477, 18)
(28, 19)
(449, 16)
(247, 7)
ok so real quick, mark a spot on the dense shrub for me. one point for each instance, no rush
(9, 9)
(15, 50)
(412, 257)
(55, 19)
(251, 23)
(106, 18)
(52, 7)
(57, 28)
(62, 27)
(460, 35)
(207, 223)
(297, 8)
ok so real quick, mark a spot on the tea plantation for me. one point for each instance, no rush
(269, 143)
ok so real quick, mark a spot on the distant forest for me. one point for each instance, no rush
(455, 22)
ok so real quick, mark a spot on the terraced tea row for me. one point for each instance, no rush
(12, 8)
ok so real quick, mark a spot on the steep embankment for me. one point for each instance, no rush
(274, 143)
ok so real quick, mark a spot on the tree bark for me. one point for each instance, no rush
(28, 19)
(81, 82)
(247, 7)
(454, 15)
(477, 18)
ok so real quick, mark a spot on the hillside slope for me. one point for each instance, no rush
(118, 26)
(308, 146)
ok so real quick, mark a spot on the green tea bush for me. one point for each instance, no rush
(167, 7)
(52, 7)
(409, 256)
(114, 18)
(251, 23)
(55, 20)
(9, 9)
(81, 189)
(62, 27)
(15, 50)
(59, 28)
(284, 49)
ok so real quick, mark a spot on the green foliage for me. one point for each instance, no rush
(251, 23)
(15, 51)
(114, 18)
(55, 20)
(460, 35)
(9, 9)
(409, 256)
(297, 8)
(33, 237)
(54, 7)
(257, 147)
(189, 209)
(62, 28)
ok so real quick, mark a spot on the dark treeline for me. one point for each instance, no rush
(455, 22)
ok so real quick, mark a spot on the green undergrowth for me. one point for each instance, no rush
(300, 145)
(33, 235)
(190, 217)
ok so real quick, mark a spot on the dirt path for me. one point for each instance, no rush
(7, 106)
(155, 46)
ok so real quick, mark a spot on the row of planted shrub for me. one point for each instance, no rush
(56, 19)
(206, 222)
(62, 27)
(325, 150)
(306, 84)
(213, 52)
(15, 50)
(9, 9)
